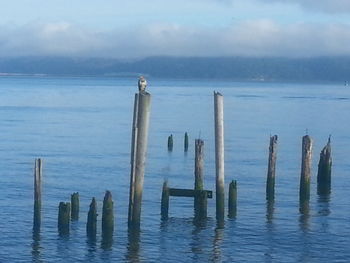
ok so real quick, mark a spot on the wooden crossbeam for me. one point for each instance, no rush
(188, 192)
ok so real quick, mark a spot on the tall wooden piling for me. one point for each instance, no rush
(186, 142)
(232, 199)
(305, 177)
(138, 156)
(170, 143)
(107, 215)
(91, 225)
(164, 210)
(219, 155)
(63, 217)
(271, 170)
(74, 199)
(37, 194)
(200, 199)
(325, 170)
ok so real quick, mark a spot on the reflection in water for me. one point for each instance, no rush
(270, 209)
(323, 205)
(133, 247)
(219, 236)
(304, 209)
(36, 245)
(91, 248)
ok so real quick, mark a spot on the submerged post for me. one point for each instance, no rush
(325, 170)
(37, 194)
(232, 199)
(63, 218)
(186, 142)
(138, 155)
(271, 170)
(170, 143)
(304, 192)
(107, 216)
(91, 224)
(164, 210)
(219, 155)
(74, 199)
(200, 199)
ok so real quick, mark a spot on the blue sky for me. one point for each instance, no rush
(138, 28)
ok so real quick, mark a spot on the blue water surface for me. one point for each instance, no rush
(81, 127)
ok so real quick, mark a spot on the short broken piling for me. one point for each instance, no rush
(271, 171)
(325, 170)
(37, 194)
(200, 200)
(232, 199)
(219, 155)
(107, 216)
(138, 156)
(74, 199)
(305, 177)
(91, 225)
(186, 142)
(170, 143)
(63, 218)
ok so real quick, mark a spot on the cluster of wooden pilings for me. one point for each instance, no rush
(69, 211)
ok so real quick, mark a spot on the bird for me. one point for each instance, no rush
(142, 83)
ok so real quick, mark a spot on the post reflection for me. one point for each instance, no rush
(133, 247)
(36, 253)
(218, 238)
(270, 209)
(304, 209)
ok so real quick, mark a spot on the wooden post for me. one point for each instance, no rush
(219, 155)
(138, 156)
(170, 143)
(63, 218)
(165, 201)
(37, 194)
(304, 193)
(271, 170)
(186, 142)
(200, 200)
(107, 215)
(325, 170)
(74, 199)
(91, 225)
(232, 199)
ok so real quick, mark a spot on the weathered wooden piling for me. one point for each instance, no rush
(74, 199)
(325, 170)
(232, 199)
(164, 210)
(91, 225)
(219, 155)
(107, 215)
(186, 142)
(138, 156)
(37, 194)
(170, 143)
(271, 170)
(305, 177)
(63, 217)
(200, 200)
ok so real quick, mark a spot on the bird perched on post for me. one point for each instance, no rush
(142, 83)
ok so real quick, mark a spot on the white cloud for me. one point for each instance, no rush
(249, 38)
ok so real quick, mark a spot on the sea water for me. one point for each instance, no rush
(81, 127)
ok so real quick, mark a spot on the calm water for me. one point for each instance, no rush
(82, 126)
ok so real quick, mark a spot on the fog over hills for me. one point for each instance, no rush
(235, 68)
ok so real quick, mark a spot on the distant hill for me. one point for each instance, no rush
(236, 68)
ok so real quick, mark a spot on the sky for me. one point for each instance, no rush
(140, 28)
